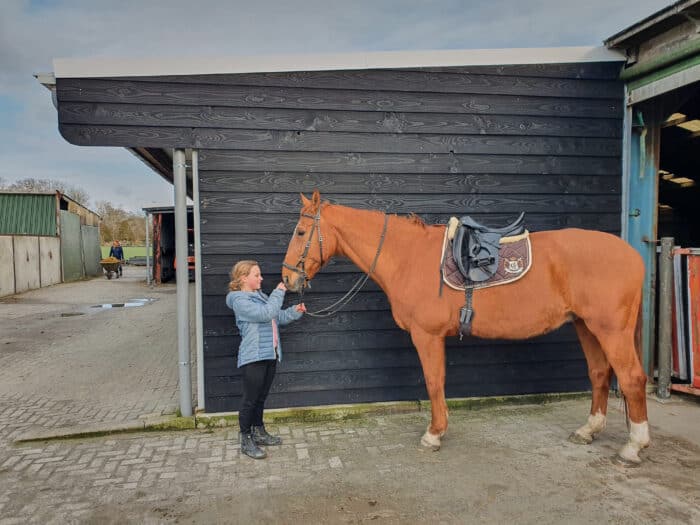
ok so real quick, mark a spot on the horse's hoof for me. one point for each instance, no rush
(430, 442)
(427, 447)
(629, 455)
(625, 462)
(579, 439)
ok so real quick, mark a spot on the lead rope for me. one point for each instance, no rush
(355, 288)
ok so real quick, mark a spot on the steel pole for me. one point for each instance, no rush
(148, 252)
(199, 333)
(183, 300)
(665, 296)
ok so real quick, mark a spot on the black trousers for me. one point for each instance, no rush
(257, 379)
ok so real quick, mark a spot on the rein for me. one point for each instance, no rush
(354, 289)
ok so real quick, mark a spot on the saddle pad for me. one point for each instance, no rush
(515, 259)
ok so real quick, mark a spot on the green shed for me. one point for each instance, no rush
(45, 238)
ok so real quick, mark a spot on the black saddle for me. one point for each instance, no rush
(475, 246)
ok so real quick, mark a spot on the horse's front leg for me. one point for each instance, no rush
(431, 350)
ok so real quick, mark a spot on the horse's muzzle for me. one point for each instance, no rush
(296, 286)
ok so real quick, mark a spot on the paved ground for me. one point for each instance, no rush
(71, 363)
(507, 464)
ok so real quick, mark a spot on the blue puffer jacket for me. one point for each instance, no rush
(254, 314)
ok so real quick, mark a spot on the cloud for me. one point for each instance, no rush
(34, 32)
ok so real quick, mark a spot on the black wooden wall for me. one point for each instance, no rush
(490, 141)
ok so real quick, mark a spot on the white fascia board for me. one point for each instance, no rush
(107, 67)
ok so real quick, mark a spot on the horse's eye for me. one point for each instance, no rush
(301, 233)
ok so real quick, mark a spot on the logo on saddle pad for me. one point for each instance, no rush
(513, 265)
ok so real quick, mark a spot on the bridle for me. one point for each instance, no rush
(300, 266)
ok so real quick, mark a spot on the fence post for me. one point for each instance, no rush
(665, 297)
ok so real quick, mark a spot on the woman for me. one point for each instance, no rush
(258, 318)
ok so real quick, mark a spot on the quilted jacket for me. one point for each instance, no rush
(254, 313)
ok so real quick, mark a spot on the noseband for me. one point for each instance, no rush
(300, 266)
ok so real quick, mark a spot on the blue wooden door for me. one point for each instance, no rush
(642, 209)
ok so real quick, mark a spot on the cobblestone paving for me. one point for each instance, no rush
(70, 363)
(496, 466)
(503, 464)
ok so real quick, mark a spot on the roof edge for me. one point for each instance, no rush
(634, 31)
(111, 67)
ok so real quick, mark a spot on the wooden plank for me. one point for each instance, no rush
(403, 376)
(365, 301)
(313, 162)
(338, 141)
(379, 183)
(219, 266)
(131, 92)
(444, 80)
(420, 203)
(347, 121)
(320, 360)
(245, 222)
(229, 402)
(309, 337)
(224, 326)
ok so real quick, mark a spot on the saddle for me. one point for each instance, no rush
(475, 246)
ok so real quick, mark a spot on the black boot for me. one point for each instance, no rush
(261, 437)
(249, 448)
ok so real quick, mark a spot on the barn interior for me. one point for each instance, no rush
(679, 169)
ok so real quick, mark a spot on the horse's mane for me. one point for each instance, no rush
(411, 218)
(415, 219)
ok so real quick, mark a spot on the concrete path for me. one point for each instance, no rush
(508, 464)
(70, 361)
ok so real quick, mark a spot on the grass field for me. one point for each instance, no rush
(129, 251)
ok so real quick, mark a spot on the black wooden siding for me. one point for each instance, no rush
(490, 141)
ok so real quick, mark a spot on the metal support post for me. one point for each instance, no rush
(665, 298)
(199, 332)
(183, 300)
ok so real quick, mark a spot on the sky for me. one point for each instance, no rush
(34, 32)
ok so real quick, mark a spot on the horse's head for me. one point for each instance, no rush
(309, 247)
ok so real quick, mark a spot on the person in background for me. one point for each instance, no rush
(258, 317)
(117, 252)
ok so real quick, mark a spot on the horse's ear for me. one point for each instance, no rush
(316, 200)
(305, 203)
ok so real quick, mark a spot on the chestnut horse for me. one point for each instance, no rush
(591, 278)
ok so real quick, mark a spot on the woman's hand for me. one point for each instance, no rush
(301, 307)
(282, 287)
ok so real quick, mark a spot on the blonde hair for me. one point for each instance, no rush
(239, 270)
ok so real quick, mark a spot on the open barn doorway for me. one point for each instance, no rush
(679, 218)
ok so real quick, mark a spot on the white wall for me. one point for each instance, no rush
(50, 260)
(7, 266)
(26, 263)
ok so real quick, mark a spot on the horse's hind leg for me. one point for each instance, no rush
(599, 372)
(431, 351)
(619, 348)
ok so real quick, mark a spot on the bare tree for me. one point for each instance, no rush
(76, 193)
(120, 224)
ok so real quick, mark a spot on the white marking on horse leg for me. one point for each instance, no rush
(639, 439)
(596, 424)
(431, 441)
